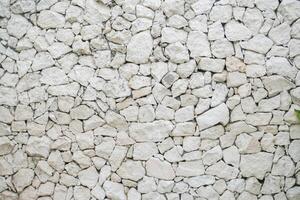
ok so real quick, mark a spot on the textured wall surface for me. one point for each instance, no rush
(149, 99)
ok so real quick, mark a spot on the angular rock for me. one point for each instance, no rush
(89, 177)
(294, 150)
(50, 19)
(190, 168)
(140, 48)
(38, 146)
(22, 179)
(18, 26)
(114, 190)
(256, 165)
(236, 31)
(275, 84)
(219, 114)
(210, 64)
(166, 171)
(198, 44)
(132, 170)
(6, 146)
(117, 88)
(152, 131)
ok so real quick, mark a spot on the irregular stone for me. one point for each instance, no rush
(18, 26)
(55, 160)
(22, 179)
(140, 48)
(70, 89)
(258, 119)
(88, 177)
(81, 112)
(50, 19)
(210, 64)
(38, 146)
(284, 167)
(5, 116)
(144, 151)
(259, 43)
(8, 96)
(53, 76)
(256, 164)
(190, 168)
(198, 44)
(42, 60)
(6, 146)
(117, 88)
(126, 170)
(172, 35)
(213, 117)
(222, 170)
(81, 193)
(293, 193)
(166, 171)
(212, 156)
(58, 49)
(201, 7)
(280, 34)
(114, 190)
(281, 66)
(275, 84)
(236, 31)
(294, 150)
(177, 53)
(235, 79)
(152, 131)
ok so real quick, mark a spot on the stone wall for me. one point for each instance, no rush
(149, 99)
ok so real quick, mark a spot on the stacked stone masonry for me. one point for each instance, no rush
(149, 99)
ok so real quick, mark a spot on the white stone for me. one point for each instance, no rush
(17, 26)
(219, 114)
(6, 146)
(22, 179)
(190, 168)
(213, 65)
(50, 19)
(256, 165)
(166, 171)
(281, 66)
(144, 151)
(88, 177)
(284, 167)
(280, 34)
(198, 44)
(140, 48)
(53, 76)
(132, 170)
(81, 193)
(236, 31)
(172, 35)
(259, 43)
(177, 53)
(294, 150)
(201, 7)
(275, 84)
(222, 170)
(117, 88)
(212, 156)
(155, 131)
(8, 96)
(38, 146)
(184, 114)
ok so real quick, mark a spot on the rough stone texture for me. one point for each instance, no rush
(149, 99)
